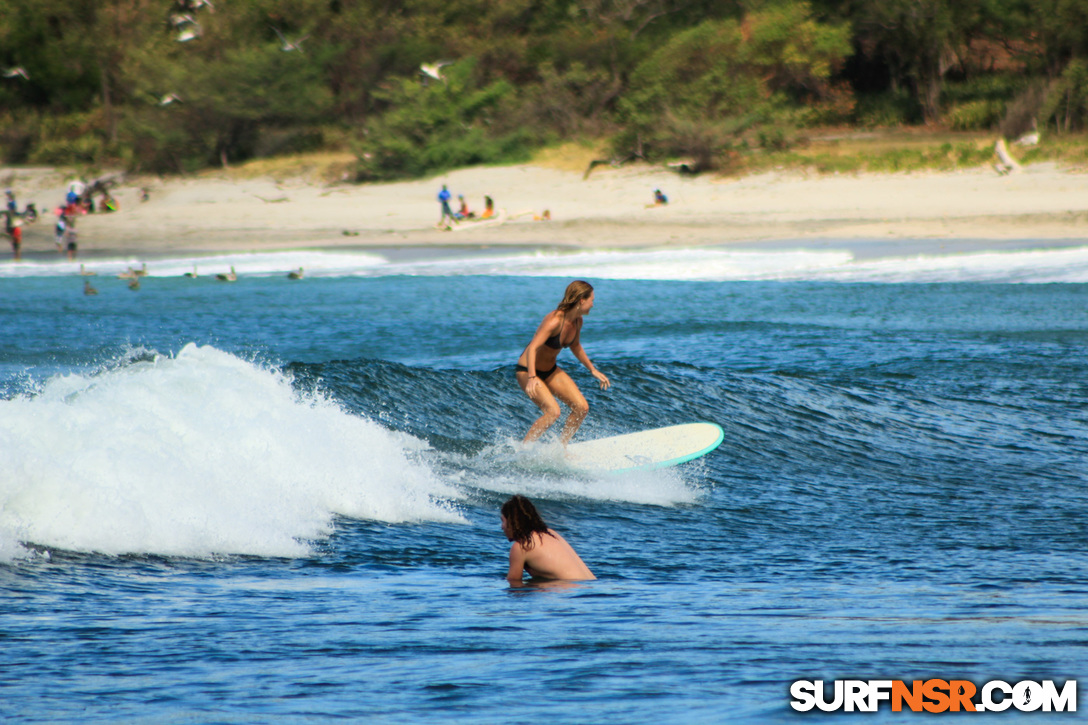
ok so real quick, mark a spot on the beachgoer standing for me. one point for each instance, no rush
(542, 379)
(536, 549)
(15, 231)
(444, 200)
(72, 242)
(59, 232)
(71, 201)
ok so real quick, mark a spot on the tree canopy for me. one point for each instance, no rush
(417, 86)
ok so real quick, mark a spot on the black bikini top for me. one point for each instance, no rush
(554, 342)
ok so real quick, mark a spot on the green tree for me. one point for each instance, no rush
(710, 84)
(438, 126)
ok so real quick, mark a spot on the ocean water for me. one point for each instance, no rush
(277, 500)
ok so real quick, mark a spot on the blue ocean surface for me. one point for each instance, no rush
(277, 500)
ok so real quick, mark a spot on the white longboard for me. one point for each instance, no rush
(648, 449)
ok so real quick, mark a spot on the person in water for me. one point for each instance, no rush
(542, 379)
(536, 549)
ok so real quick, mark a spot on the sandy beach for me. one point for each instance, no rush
(871, 214)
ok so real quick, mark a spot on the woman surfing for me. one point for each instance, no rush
(543, 380)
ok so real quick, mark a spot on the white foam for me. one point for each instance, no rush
(712, 264)
(257, 264)
(542, 470)
(721, 265)
(196, 455)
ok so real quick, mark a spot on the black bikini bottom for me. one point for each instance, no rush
(542, 374)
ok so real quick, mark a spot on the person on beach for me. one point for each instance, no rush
(462, 209)
(542, 379)
(536, 549)
(14, 229)
(444, 200)
(659, 198)
(60, 231)
(489, 208)
(73, 243)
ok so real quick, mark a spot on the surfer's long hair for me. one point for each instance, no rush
(523, 520)
(577, 291)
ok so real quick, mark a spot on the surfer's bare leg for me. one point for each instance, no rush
(544, 400)
(564, 388)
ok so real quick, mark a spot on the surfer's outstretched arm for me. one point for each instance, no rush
(580, 353)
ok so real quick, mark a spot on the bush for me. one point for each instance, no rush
(1066, 102)
(892, 108)
(1022, 111)
(431, 128)
(974, 115)
(709, 86)
(86, 149)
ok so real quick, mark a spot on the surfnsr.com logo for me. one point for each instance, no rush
(934, 696)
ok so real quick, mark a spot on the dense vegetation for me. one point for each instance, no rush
(177, 85)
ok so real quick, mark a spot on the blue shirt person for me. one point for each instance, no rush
(444, 199)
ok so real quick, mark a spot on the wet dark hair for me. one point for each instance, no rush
(524, 521)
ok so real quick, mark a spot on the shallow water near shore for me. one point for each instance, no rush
(278, 499)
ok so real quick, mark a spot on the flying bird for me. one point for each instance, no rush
(434, 70)
(170, 98)
(194, 5)
(191, 31)
(178, 20)
(17, 72)
(286, 45)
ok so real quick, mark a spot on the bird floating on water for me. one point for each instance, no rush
(296, 274)
(231, 277)
(88, 289)
(134, 284)
(84, 272)
(191, 275)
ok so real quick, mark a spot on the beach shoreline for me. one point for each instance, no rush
(867, 214)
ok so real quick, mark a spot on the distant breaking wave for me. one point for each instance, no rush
(711, 264)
